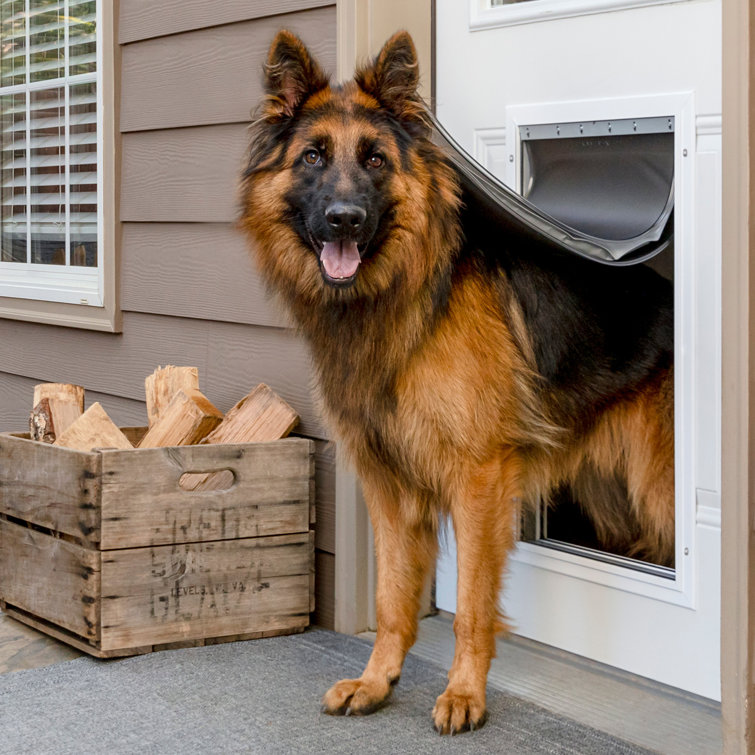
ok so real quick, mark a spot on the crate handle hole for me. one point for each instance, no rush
(218, 479)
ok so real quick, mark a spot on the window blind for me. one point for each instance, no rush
(48, 132)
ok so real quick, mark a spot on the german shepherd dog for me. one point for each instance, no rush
(462, 373)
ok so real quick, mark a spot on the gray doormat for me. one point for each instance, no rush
(261, 696)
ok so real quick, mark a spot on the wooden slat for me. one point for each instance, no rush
(211, 273)
(142, 502)
(52, 487)
(50, 577)
(325, 496)
(241, 357)
(213, 75)
(141, 19)
(185, 175)
(325, 590)
(175, 593)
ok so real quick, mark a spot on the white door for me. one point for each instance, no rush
(502, 65)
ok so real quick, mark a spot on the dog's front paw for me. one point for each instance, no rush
(356, 697)
(454, 713)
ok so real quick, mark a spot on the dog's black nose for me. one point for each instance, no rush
(345, 217)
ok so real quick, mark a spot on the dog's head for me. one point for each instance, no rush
(344, 194)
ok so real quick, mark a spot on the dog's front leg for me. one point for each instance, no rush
(405, 547)
(482, 513)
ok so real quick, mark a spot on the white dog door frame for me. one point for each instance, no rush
(512, 145)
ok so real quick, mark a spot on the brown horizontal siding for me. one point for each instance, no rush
(141, 19)
(231, 358)
(213, 75)
(188, 175)
(17, 391)
(201, 270)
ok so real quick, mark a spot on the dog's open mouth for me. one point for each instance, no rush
(339, 261)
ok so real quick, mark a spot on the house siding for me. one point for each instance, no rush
(190, 76)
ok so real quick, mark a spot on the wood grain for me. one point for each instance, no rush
(212, 275)
(93, 429)
(50, 577)
(52, 487)
(141, 19)
(163, 384)
(182, 175)
(65, 402)
(325, 590)
(143, 503)
(325, 496)
(187, 419)
(213, 75)
(175, 593)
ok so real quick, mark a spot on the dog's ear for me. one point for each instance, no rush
(392, 80)
(291, 75)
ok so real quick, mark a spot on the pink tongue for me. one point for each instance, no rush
(340, 258)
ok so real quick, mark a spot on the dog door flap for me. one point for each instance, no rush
(601, 190)
(613, 181)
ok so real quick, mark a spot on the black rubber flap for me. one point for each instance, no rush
(625, 221)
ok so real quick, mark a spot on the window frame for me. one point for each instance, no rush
(483, 15)
(103, 313)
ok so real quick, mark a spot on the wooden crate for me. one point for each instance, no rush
(106, 551)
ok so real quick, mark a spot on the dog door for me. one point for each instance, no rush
(612, 180)
(609, 180)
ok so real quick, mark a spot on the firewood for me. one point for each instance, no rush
(163, 384)
(65, 402)
(93, 429)
(261, 415)
(188, 418)
(41, 424)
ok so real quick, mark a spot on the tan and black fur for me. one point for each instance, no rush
(463, 373)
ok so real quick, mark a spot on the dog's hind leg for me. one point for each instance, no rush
(483, 517)
(636, 440)
(406, 547)
(650, 470)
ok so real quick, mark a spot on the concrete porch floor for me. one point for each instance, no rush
(629, 707)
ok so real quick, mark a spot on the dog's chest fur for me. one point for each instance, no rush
(401, 395)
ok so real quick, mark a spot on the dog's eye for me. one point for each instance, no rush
(312, 157)
(376, 160)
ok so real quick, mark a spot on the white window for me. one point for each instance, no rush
(51, 229)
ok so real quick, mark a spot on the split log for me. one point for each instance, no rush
(188, 418)
(163, 384)
(93, 429)
(261, 415)
(41, 423)
(65, 404)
